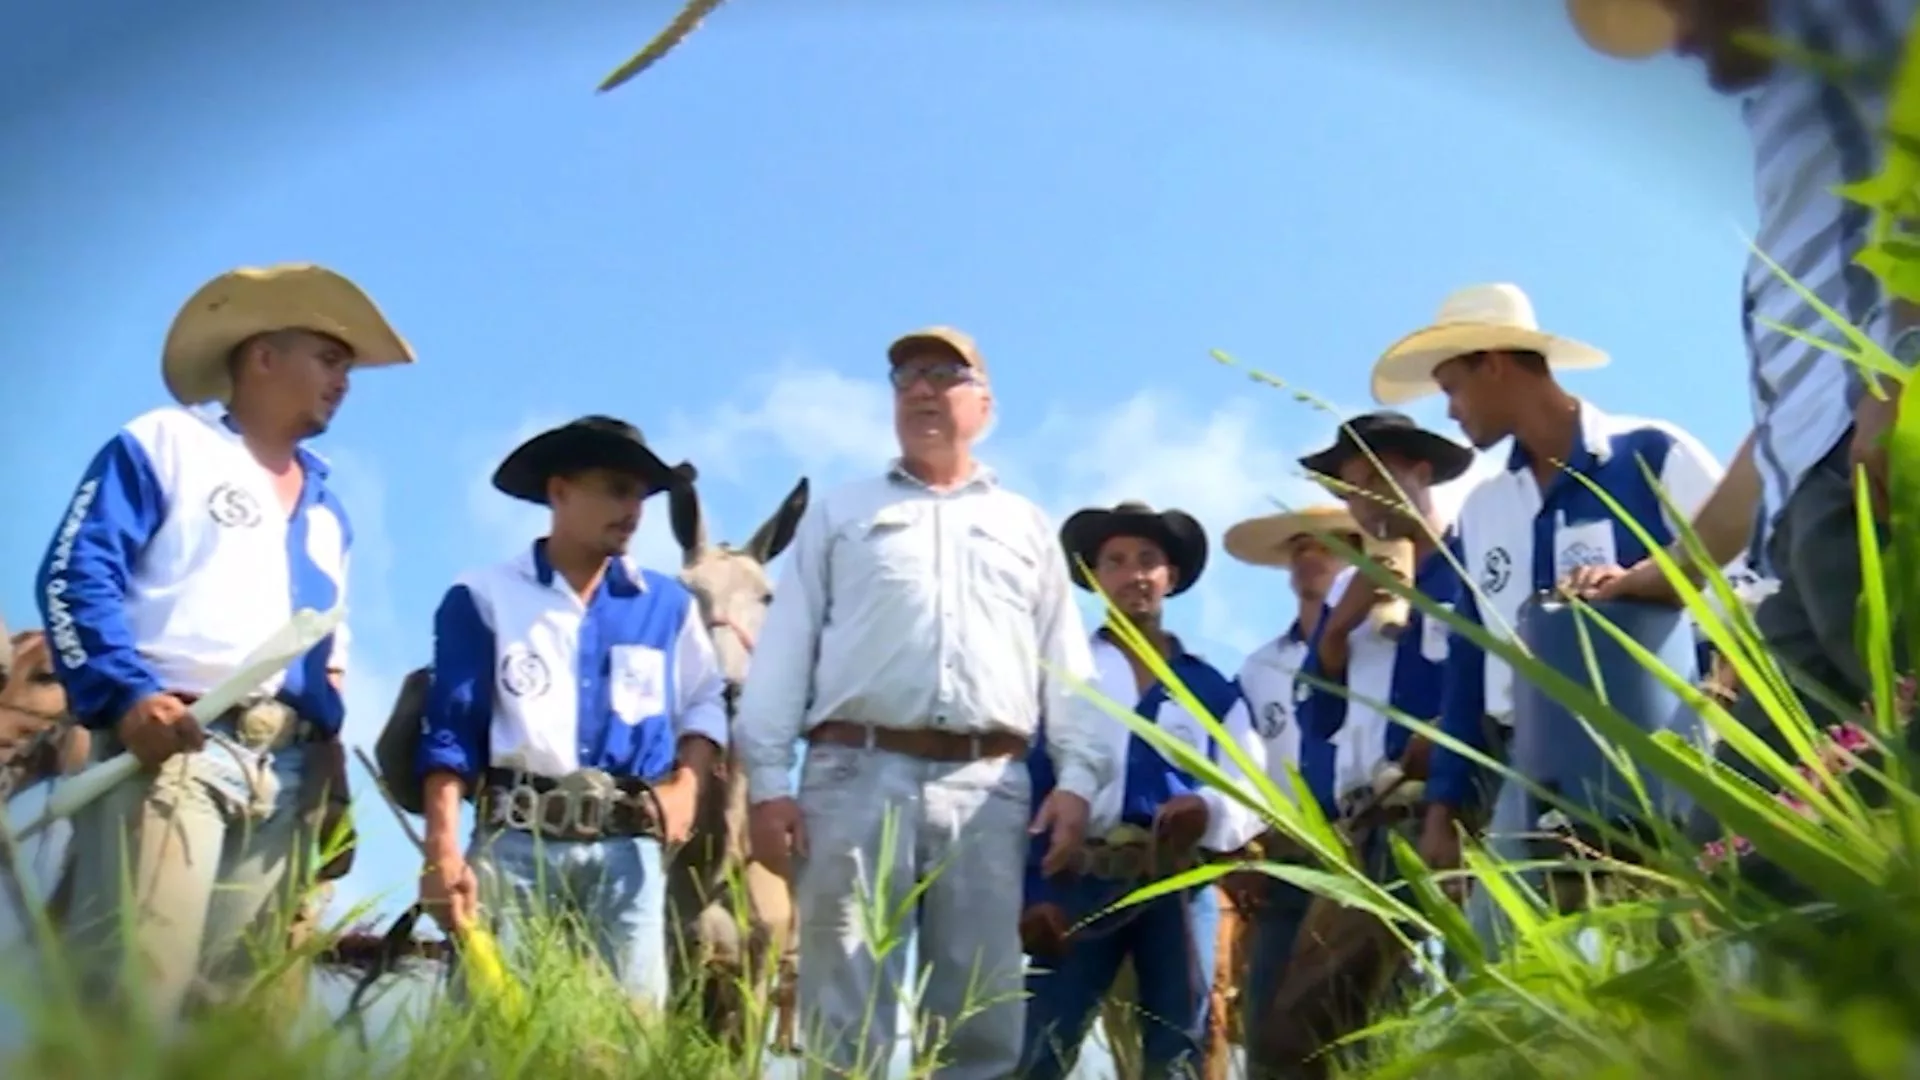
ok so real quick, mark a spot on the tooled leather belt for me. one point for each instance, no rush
(926, 744)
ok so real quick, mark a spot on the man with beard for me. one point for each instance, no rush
(1531, 528)
(577, 698)
(1814, 127)
(1268, 911)
(193, 537)
(1152, 820)
(1373, 658)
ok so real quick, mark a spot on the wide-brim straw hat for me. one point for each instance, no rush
(259, 300)
(1267, 540)
(1625, 29)
(1476, 319)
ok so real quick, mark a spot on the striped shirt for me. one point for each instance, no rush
(1811, 131)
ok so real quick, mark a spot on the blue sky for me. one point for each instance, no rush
(719, 252)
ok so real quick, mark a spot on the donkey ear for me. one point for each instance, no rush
(689, 529)
(773, 537)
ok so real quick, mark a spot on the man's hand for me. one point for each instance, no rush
(1586, 582)
(1181, 822)
(158, 727)
(1356, 603)
(1440, 848)
(449, 891)
(1043, 931)
(1246, 890)
(777, 833)
(1064, 816)
(1873, 421)
(679, 797)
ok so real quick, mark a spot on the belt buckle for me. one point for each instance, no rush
(580, 789)
(521, 811)
(260, 723)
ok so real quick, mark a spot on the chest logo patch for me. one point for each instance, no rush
(233, 507)
(1497, 571)
(524, 674)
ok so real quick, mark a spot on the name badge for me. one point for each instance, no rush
(638, 675)
(1589, 543)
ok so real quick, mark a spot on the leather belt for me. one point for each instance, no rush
(923, 743)
(583, 807)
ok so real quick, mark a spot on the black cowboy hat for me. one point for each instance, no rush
(1177, 533)
(591, 442)
(1388, 432)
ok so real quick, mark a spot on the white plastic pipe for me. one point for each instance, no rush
(306, 629)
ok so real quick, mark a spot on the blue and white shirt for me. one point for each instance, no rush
(528, 676)
(1515, 540)
(1811, 133)
(1144, 780)
(174, 561)
(1267, 679)
(1405, 673)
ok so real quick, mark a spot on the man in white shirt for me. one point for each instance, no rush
(1814, 128)
(1270, 910)
(1153, 819)
(921, 629)
(192, 538)
(1531, 527)
(577, 700)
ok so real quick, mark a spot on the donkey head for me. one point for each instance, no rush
(731, 583)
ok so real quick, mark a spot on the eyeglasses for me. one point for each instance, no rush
(941, 373)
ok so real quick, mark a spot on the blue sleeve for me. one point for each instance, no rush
(83, 580)
(1321, 712)
(460, 701)
(1463, 710)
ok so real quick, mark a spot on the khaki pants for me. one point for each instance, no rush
(197, 873)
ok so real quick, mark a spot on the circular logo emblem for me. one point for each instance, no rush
(233, 507)
(1498, 571)
(1273, 720)
(524, 674)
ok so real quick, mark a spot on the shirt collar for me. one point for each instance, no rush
(622, 578)
(1180, 653)
(1591, 447)
(313, 464)
(982, 476)
(1294, 633)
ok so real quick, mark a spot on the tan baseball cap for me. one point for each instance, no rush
(944, 338)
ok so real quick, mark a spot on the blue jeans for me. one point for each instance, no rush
(1171, 941)
(615, 888)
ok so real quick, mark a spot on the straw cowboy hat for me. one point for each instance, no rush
(259, 300)
(591, 442)
(1478, 318)
(1391, 433)
(1176, 531)
(1625, 29)
(1268, 540)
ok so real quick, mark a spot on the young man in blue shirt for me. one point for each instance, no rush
(193, 536)
(1152, 818)
(577, 698)
(1372, 658)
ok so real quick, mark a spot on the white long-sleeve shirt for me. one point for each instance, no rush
(904, 607)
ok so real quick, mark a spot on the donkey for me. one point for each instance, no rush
(733, 590)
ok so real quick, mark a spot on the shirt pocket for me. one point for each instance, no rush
(1000, 567)
(637, 682)
(887, 545)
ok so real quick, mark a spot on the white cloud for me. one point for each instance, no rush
(1222, 460)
